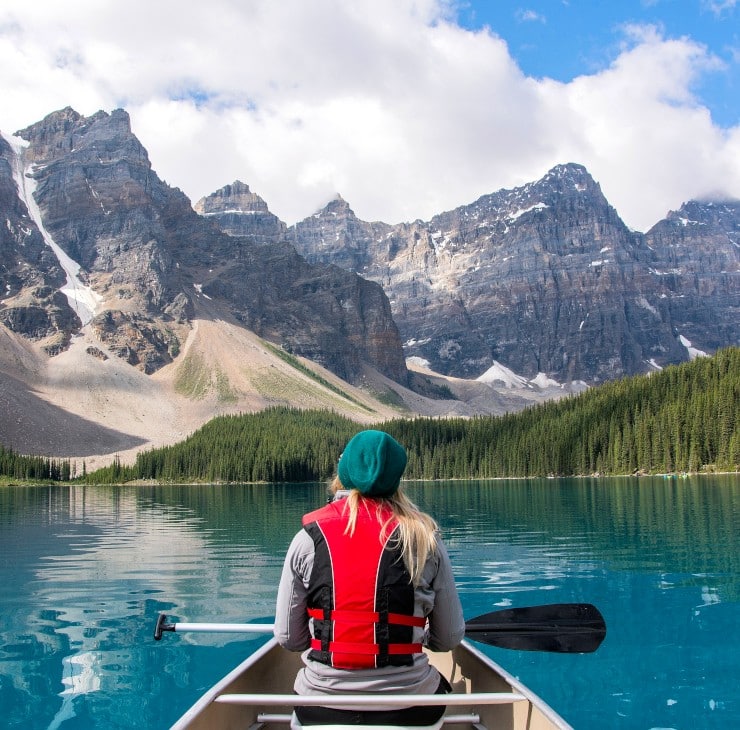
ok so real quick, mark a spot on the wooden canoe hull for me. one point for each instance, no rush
(271, 670)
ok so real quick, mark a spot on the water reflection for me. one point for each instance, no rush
(89, 569)
(666, 524)
(79, 678)
(84, 572)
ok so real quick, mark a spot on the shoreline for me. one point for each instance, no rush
(10, 482)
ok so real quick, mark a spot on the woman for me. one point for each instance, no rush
(366, 583)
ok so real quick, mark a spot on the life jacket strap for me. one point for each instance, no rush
(350, 647)
(365, 617)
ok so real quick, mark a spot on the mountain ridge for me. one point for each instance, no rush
(547, 279)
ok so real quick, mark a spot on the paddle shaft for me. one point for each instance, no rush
(221, 628)
(230, 628)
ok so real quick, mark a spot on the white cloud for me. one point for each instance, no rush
(718, 7)
(383, 101)
(530, 16)
(641, 132)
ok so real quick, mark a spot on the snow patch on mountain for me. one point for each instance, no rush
(693, 352)
(543, 381)
(500, 373)
(230, 211)
(522, 211)
(81, 297)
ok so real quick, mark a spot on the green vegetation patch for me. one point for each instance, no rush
(276, 445)
(226, 394)
(193, 378)
(294, 362)
(18, 468)
(390, 397)
(424, 386)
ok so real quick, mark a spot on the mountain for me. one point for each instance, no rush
(240, 212)
(695, 266)
(30, 273)
(128, 319)
(546, 279)
(148, 264)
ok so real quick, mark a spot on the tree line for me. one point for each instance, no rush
(34, 468)
(681, 419)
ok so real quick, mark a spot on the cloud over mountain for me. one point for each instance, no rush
(391, 103)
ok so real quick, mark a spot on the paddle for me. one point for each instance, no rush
(558, 627)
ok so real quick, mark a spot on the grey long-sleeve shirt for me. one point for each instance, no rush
(435, 598)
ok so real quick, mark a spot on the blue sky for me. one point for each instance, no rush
(407, 108)
(562, 39)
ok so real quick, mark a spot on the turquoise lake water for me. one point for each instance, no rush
(84, 572)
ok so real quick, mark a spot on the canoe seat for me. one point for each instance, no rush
(468, 719)
(437, 725)
(451, 700)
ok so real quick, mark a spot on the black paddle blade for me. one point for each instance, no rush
(577, 628)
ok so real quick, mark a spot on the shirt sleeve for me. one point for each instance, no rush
(291, 617)
(446, 621)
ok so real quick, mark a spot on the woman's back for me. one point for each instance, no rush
(366, 585)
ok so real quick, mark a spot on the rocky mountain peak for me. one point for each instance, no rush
(52, 135)
(335, 235)
(336, 206)
(237, 198)
(68, 132)
(724, 213)
(570, 174)
(237, 211)
(695, 263)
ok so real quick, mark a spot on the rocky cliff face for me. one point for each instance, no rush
(152, 263)
(545, 278)
(30, 274)
(102, 205)
(695, 272)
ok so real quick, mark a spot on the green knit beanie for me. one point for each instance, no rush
(372, 463)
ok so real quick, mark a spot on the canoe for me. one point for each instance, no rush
(258, 694)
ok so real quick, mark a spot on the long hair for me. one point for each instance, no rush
(417, 531)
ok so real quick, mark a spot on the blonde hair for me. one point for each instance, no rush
(417, 531)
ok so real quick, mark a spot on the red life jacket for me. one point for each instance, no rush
(360, 595)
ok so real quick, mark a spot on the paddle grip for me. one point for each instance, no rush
(162, 626)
